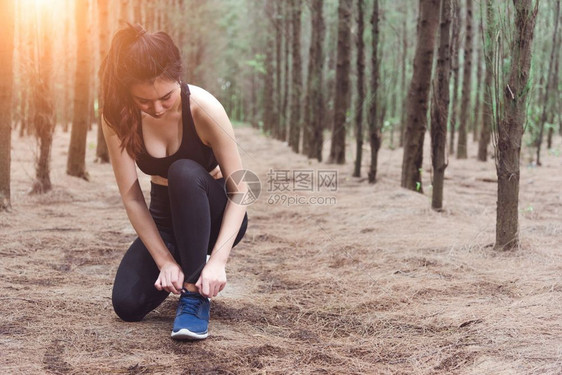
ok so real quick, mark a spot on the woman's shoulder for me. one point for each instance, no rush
(207, 112)
(203, 101)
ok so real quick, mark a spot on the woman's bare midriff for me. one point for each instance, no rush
(159, 180)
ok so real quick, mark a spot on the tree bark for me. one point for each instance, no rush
(287, 65)
(137, 11)
(440, 107)
(549, 81)
(69, 79)
(375, 135)
(511, 126)
(418, 95)
(487, 109)
(466, 84)
(296, 93)
(477, 122)
(76, 162)
(315, 135)
(360, 88)
(268, 103)
(278, 63)
(43, 105)
(403, 76)
(103, 22)
(7, 10)
(341, 99)
(125, 11)
(456, 45)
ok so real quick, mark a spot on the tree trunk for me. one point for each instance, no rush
(278, 64)
(466, 84)
(341, 99)
(315, 79)
(103, 22)
(125, 11)
(76, 162)
(375, 135)
(7, 9)
(307, 111)
(549, 81)
(403, 74)
(487, 108)
(511, 126)
(313, 135)
(440, 107)
(296, 93)
(331, 56)
(137, 11)
(287, 12)
(28, 67)
(268, 103)
(43, 103)
(69, 80)
(395, 84)
(477, 122)
(456, 45)
(360, 88)
(418, 95)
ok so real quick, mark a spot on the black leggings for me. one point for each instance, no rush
(188, 213)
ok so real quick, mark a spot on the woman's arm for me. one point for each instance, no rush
(214, 127)
(133, 199)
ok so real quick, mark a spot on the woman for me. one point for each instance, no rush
(181, 136)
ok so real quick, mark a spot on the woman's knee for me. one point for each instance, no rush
(186, 174)
(126, 308)
(185, 170)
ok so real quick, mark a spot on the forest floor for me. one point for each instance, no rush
(373, 283)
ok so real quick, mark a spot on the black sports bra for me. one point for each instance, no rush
(191, 146)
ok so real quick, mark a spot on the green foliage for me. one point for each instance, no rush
(257, 63)
(388, 124)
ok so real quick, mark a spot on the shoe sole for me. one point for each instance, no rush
(185, 334)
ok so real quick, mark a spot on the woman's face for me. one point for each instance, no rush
(156, 98)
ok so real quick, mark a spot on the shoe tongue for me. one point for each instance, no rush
(187, 292)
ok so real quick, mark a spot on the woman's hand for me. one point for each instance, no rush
(170, 278)
(212, 279)
(216, 173)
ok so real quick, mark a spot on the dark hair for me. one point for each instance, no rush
(135, 56)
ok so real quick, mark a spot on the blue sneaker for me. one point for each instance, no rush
(192, 316)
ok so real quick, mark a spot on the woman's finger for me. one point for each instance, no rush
(170, 284)
(181, 278)
(206, 290)
(157, 284)
(177, 284)
(215, 292)
(172, 288)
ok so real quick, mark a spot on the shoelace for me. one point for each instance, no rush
(189, 307)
